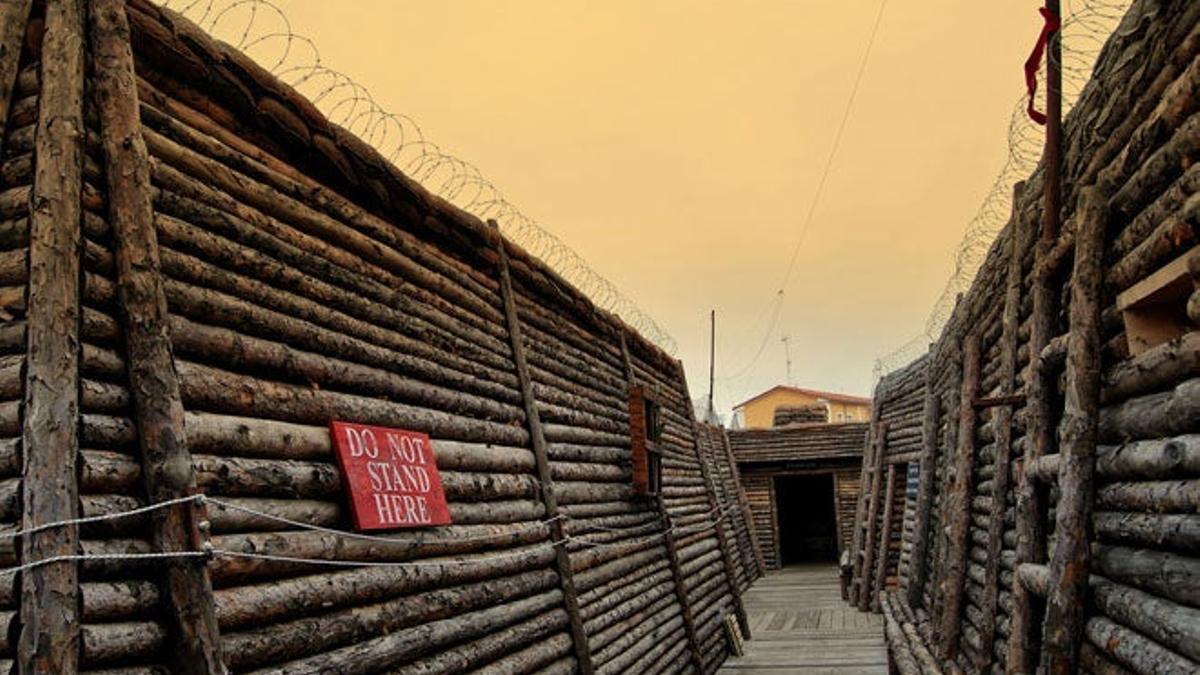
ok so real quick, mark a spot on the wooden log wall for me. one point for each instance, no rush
(760, 493)
(893, 444)
(20, 65)
(761, 455)
(1079, 451)
(249, 272)
(846, 485)
(715, 447)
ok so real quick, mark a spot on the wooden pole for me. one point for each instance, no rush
(1063, 627)
(712, 361)
(885, 537)
(579, 639)
(1052, 157)
(14, 17)
(685, 605)
(50, 632)
(719, 513)
(919, 558)
(957, 507)
(1040, 429)
(860, 512)
(869, 537)
(747, 514)
(166, 461)
(1002, 423)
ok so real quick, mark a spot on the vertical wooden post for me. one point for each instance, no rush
(1031, 536)
(919, 558)
(958, 505)
(166, 462)
(583, 652)
(885, 537)
(869, 536)
(1052, 155)
(50, 635)
(747, 514)
(1039, 436)
(719, 513)
(776, 549)
(685, 605)
(860, 511)
(14, 17)
(1002, 422)
(1063, 627)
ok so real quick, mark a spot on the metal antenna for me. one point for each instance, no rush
(712, 358)
(787, 352)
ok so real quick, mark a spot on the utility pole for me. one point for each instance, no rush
(712, 359)
(787, 353)
(1052, 213)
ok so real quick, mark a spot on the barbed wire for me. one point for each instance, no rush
(261, 29)
(1085, 28)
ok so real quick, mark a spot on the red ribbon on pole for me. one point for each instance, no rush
(1034, 62)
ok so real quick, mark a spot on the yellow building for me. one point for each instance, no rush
(759, 412)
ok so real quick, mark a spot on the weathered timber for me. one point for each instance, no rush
(14, 16)
(570, 597)
(1030, 530)
(167, 464)
(669, 544)
(719, 514)
(955, 509)
(919, 558)
(1064, 621)
(50, 635)
(864, 575)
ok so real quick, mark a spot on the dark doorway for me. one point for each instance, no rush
(807, 528)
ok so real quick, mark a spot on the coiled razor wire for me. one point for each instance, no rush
(1085, 28)
(261, 29)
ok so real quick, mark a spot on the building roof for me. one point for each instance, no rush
(800, 442)
(815, 393)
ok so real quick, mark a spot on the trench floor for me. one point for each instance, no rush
(800, 624)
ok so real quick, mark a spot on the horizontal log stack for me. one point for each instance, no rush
(894, 444)
(1080, 553)
(828, 449)
(246, 272)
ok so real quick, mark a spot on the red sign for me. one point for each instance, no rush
(392, 477)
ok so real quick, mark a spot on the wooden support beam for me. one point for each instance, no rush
(869, 534)
(685, 606)
(739, 610)
(579, 639)
(14, 18)
(1002, 425)
(903, 458)
(1064, 623)
(50, 600)
(1030, 527)
(858, 542)
(166, 461)
(885, 537)
(957, 506)
(746, 512)
(918, 561)
(1007, 401)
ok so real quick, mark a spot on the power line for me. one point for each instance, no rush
(812, 207)
(837, 141)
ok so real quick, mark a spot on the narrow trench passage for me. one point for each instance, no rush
(807, 525)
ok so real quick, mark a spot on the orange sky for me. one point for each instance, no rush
(677, 146)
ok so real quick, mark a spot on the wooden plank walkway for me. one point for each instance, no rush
(801, 624)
